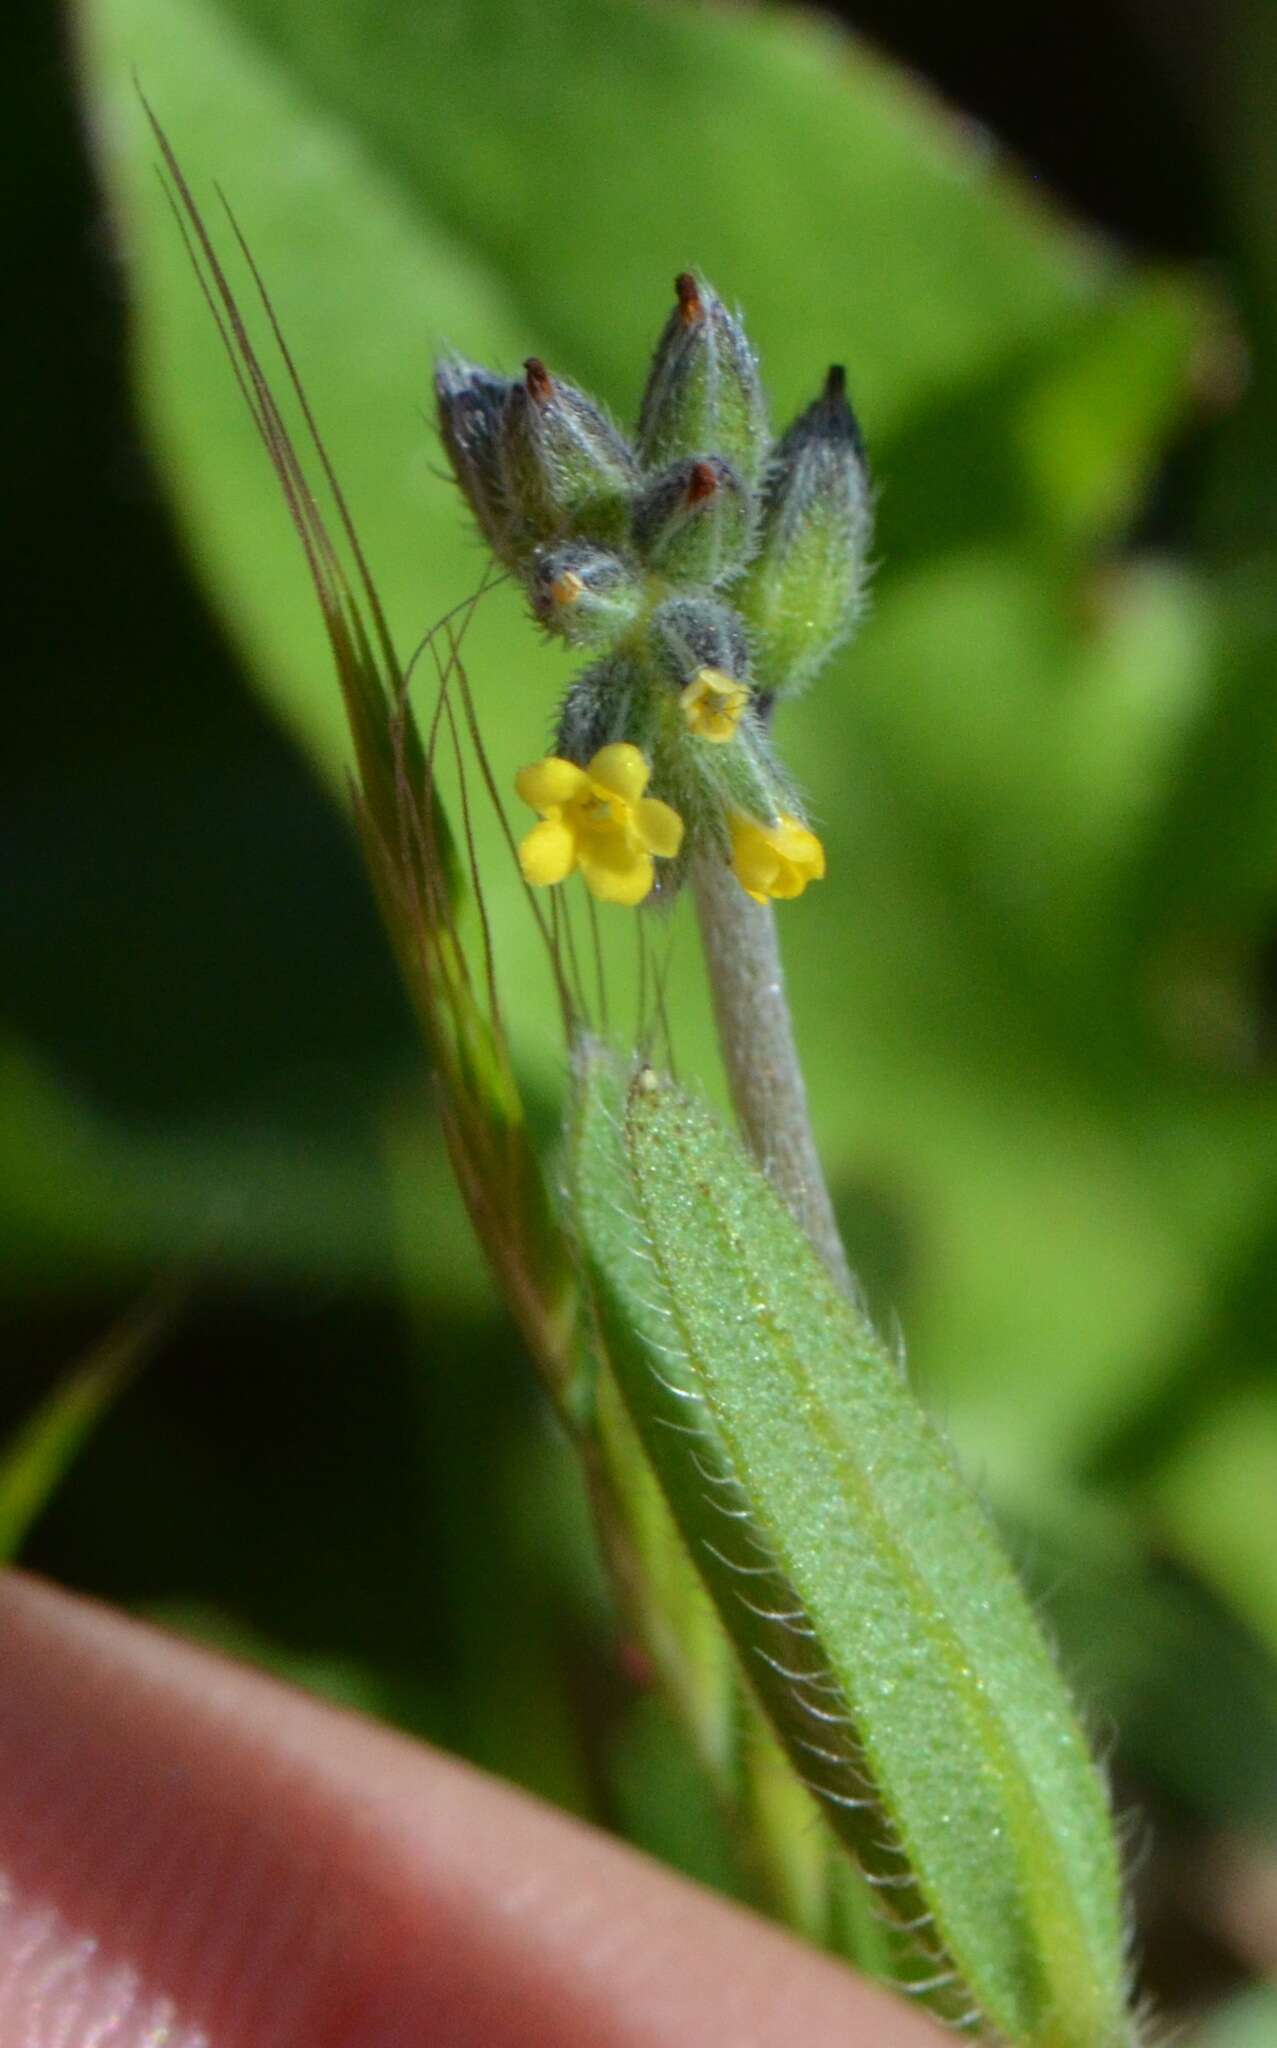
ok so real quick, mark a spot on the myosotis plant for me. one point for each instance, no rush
(822, 1597)
(706, 572)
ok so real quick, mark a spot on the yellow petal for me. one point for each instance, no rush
(775, 860)
(788, 882)
(548, 854)
(754, 858)
(618, 882)
(620, 770)
(797, 843)
(549, 784)
(712, 705)
(659, 826)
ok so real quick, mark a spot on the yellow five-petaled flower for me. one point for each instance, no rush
(775, 860)
(597, 819)
(712, 705)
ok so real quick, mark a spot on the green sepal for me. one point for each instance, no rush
(610, 700)
(566, 469)
(704, 394)
(804, 589)
(587, 595)
(694, 523)
(690, 633)
(709, 785)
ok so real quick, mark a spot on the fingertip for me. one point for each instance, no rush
(269, 1872)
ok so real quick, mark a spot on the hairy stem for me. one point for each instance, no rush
(756, 1033)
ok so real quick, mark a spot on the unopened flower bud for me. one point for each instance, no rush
(470, 402)
(703, 391)
(566, 469)
(805, 586)
(586, 594)
(608, 701)
(691, 633)
(694, 522)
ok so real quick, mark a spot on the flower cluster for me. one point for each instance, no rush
(708, 572)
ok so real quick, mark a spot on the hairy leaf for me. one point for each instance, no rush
(873, 1610)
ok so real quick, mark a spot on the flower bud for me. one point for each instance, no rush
(470, 402)
(586, 594)
(703, 391)
(608, 701)
(804, 588)
(566, 469)
(691, 633)
(694, 523)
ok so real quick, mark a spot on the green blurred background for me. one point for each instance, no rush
(1039, 992)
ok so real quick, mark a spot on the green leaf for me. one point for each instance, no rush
(1215, 1499)
(35, 1458)
(873, 1610)
(88, 1199)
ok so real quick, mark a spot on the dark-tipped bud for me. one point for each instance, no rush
(694, 522)
(703, 391)
(471, 402)
(804, 589)
(587, 595)
(565, 468)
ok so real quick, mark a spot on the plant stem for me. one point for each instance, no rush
(756, 1034)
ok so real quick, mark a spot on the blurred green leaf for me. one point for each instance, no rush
(88, 1198)
(1248, 2020)
(1209, 866)
(1160, 1662)
(1093, 430)
(664, 1801)
(40, 1452)
(1217, 1501)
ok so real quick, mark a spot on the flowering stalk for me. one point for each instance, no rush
(749, 1424)
(710, 572)
(755, 1031)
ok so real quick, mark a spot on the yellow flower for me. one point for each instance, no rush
(712, 704)
(597, 819)
(775, 860)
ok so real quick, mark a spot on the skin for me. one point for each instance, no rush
(188, 1845)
